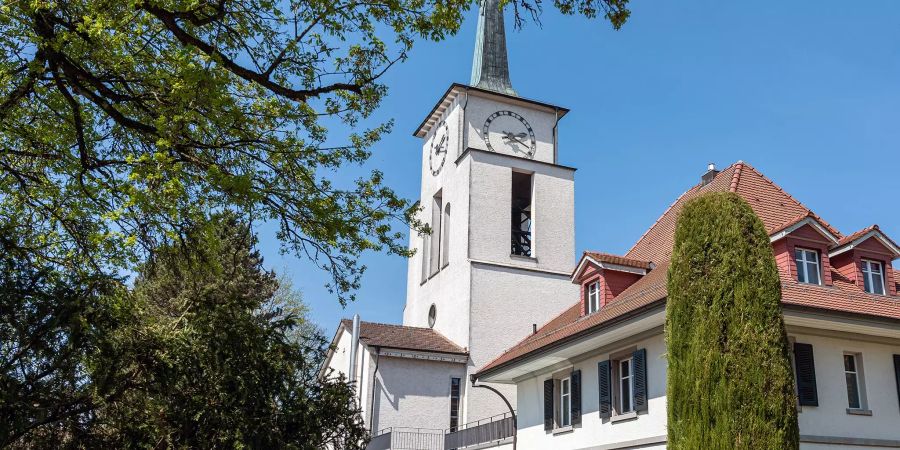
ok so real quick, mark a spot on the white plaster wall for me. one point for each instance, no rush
(553, 216)
(505, 304)
(593, 431)
(542, 122)
(448, 289)
(413, 393)
(830, 418)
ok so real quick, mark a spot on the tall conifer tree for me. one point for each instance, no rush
(730, 383)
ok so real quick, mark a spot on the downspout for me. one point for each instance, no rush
(556, 138)
(463, 138)
(372, 395)
(508, 405)
(354, 343)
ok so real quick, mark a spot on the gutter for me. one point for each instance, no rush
(568, 339)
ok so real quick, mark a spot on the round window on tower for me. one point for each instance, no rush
(432, 315)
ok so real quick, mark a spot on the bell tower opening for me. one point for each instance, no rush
(521, 214)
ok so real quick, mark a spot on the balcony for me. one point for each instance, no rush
(490, 432)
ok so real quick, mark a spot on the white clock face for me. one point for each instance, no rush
(506, 130)
(439, 145)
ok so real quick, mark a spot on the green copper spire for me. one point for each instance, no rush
(490, 67)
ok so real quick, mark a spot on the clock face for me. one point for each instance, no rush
(506, 130)
(439, 144)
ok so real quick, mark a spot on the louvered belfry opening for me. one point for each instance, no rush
(521, 214)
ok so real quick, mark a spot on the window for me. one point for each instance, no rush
(852, 370)
(562, 401)
(626, 386)
(623, 385)
(425, 246)
(565, 402)
(521, 214)
(436, 212)
(432, 315)
(593, 297)
(873, 277)
(454, 403)
(807, 266)
(445, 250)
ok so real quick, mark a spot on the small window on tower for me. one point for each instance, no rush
(437, 208)
(521, 213)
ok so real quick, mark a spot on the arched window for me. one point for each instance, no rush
(445, 235)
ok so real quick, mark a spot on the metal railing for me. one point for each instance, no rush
(399, 438)
(491, 429)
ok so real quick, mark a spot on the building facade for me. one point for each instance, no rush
(594, 377)
(496, 264)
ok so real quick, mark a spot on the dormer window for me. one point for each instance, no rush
(873, 277)
(808, 267)
(593, 303)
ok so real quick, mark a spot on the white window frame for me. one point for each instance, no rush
(593, 297)
(621, 381)
(858, 378)
(869, 274)
(804, 267)
(565, 395)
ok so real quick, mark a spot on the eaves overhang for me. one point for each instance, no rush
(587, 259)
(634, 322)
(809, 220)
(876, 234)
(457, 89)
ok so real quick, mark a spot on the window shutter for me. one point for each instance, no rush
(640, 379)
(806, 375)
(605, 388)
(548, 405)
(576, 397)
(897, 373)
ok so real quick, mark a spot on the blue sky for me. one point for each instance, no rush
(808, 92)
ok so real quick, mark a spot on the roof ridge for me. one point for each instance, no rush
(736, 178)
(669, 209)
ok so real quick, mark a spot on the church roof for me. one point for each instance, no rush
(403, 337)
(777, 209)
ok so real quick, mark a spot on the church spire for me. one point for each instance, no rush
(490, 68)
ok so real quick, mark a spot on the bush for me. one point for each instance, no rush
(730, 383)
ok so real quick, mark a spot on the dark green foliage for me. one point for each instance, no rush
(730, 383)
(220, 363)
(54, 326)
(206, 351)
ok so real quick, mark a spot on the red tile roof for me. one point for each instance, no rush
(857, 235)
(777, 209)
(620, 260)
(849, 239)
(404, 337)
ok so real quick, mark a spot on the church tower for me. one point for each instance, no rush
(501, 208)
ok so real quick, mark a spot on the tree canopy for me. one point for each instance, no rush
(730, 383)
(124, 122)
(208, 351)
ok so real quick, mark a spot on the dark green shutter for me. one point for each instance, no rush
(548, 405)
(639, 359)
(576, 397)
(897, 373)
(604, 377)
(806, 375)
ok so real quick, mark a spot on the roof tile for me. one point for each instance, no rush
(404, 337)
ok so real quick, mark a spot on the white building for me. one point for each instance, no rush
(501, 261)
(594, 377)
(498, 261)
